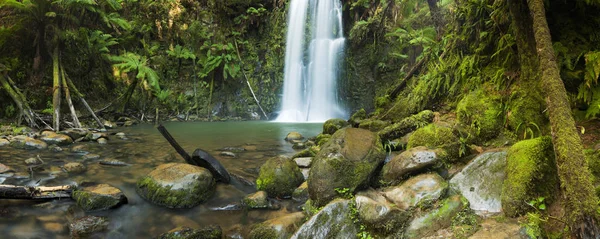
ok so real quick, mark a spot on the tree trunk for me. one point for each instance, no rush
(575, 177)
(68, 98)
(85, 104)
(436, 16)
(24, 109)
(208, 107)
(56, 91)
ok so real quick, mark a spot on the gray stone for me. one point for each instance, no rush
(102, 141)
(256, 200)
(425, 188)
(409, 161)
(333, 221)
(74, 168)
(436, 219)
(227, 154)
(33, 161)
(303, 162)
(480, 182)
(85, 227)
(90, 157)
(376, 212)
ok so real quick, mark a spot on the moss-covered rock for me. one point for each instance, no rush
(53, 138)
(406, 125)
(357, 117)
(279, 176)
(74, 168)
(301, 192)
(294, 136)
(88, 227)
(94, 197)
(177, 185)
(438, 218)
(409, 161)
(308, 152)
(348, 160)
(431, 136)
(530, 173)
(210, 232)
(24, 142)
(332, 125)
(373, 125)
(378, 214)
(278, 228)
(425, 188)
(526, 111)
(335, 220)
(482, 111)
(321, 139)
(256, 200)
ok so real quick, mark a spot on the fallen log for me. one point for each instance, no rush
(25, 192)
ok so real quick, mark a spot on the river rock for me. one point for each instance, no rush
(300, 194)
(33, 161)
(95, 197)
(210, 232)
(80, 149)
(333, 221)
(177, 185)
(227, 154)
(481, 181)
(4, 142)
(234, 149)
(348, 160)
(102, 141)
(281, 227)
(294, 136)
(87, 226)
(75, 133)
(406, 125)
(53, 138)
(279, 176)
(332, 125)
(492, 228)
(93, 136)
(5, 169)
(256, 200)
(74, 168)
(373, 125)
(409, 161)
(299, 145)
(425, 188)
(376, 212)
(303, 162)
(90, 157)
(24, 142)
(436, 219)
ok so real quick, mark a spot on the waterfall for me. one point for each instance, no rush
(314, 50)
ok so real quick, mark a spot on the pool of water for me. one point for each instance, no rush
(145, 149)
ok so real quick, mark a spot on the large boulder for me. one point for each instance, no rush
(406, 125)
(378, 214)
(530, 174)
(432, 135)
(279, 176)
(436, 219)
(480, 182)
(53, 138)
(94, 197)
(332, 125)
(281, 227)
(177, 185)
(335, 220)
(425, 188)
(348, 161)
(24, 142)
(408, 162)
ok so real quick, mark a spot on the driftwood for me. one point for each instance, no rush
(199, 158)
(24, 192)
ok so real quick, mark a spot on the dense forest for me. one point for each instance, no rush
(503, 72)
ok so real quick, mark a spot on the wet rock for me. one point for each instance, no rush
(177, 185)
(86, 227)
(333, 221)
(281, 227)
(90, 157)
(332, 125)
(96, 197)
(93, 136)
(75, 133)
(53, 138)
(303, 162)
(305, 173)
(228, 154)
(294, 136)
(357, 117)
(492, 228)
(425, 188)
(256, 200)
(301, 193)
(373, 125)
(377, 213)
(309, 152)
(33, 161)
(348, 160)
(4, 142)
(299, 145)
(234, 149)
(210, 232)
(121, 135)
(128, 123)
(74, 168)
(80, 149)
(55, 148)
(109, 124)
(102, 141)
(436, 219)
(409, 161)
(279, 176)
(183, 221)
(113, 162)
(54, 227)
(5, 169)
(24, 142)
(249, 148)
(480, 182)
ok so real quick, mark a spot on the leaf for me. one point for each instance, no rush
(542, 206)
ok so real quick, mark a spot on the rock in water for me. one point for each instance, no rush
(203, 159)
(348, 160)
(210, 232)
(281, 227)
(113, 162)
(24, 142)
(279, 177)
(86, 227)
(53, 138)
(333, 221)
(93, 197)
(177, 185)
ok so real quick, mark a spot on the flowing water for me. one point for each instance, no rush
(145, 149)
(314, 49)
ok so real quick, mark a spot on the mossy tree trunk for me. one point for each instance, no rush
(20, 101)
(65, 87)
(436, 15)
(575, 177)
(56, 88)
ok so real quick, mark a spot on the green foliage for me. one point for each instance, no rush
(131, 62)
(180, 52)
(345, 193)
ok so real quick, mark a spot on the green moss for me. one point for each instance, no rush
(165, 196)
(530, 173)
(373, 125)
(279, 177)
(211, 232)
(526, 115)
(263, 232)
(482, 111)
(332, 125)
(593, 160)
(90, 201)
(357, 117)
(322, 139)
(431, 136)
(406, 125)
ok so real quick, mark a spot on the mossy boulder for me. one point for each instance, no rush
(278, 228)
(308, 152)
(378, 214)
(335, 220)
(94, 197)
(24, 142)
(431, 136)
(373, 125)
(526, 111)
(279, 177)
(294, 136)
(357, 117)
(256, 200)
(481, 110)
(408, 162)
(74, 167)
(332, 125)
(406, 125)
(301, 192)
(425, 188)
(530, 174)
(177, 185)
(321, 139)
(348, 160)
(53, 138)
(210, 232)
(436, 219)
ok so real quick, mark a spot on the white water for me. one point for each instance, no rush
(311, 71)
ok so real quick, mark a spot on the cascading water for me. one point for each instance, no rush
(311, 70)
